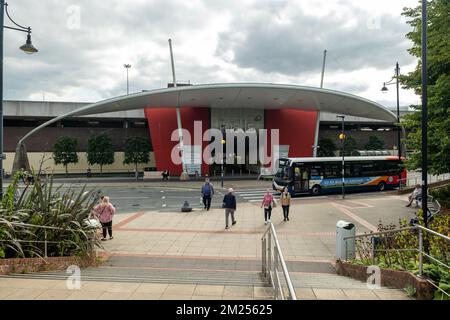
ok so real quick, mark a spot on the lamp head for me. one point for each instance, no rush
(28, 47)
(384, 89)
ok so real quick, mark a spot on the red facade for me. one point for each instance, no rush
(162, 122)
(296, 128)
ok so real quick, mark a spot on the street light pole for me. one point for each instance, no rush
(385, 89)
(2, 15)
(27, 48)
(223, 143)
(342, 138)
(127, 66)
(424, 116)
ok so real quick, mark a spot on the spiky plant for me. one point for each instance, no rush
(64, 211)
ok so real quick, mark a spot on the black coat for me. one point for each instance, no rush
(230, 201)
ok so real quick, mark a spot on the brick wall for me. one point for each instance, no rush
(28, 265)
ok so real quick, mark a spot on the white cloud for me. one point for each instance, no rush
(278, 41)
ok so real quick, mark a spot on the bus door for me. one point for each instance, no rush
(301, 179)
(297, 180)
(305, 178)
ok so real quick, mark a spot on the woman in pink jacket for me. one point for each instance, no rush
(105, 212)
(267, 203)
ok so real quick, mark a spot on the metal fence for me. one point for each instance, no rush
(377, 244)
(414, 178)
(45, 241)
(273, 264)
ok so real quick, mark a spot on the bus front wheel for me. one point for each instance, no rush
(382, 186)
(316, 190)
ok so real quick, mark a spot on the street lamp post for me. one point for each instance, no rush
(424, 116)
(127, 66)
(27, 48)
(223, 143)
(399, 143)
(342, 138)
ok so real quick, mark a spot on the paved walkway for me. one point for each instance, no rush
(174, 255)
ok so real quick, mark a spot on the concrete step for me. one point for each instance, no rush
(156, 276)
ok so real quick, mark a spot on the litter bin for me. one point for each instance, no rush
(345, 249)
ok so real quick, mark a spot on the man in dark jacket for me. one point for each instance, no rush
(207, 193)
(229, 203)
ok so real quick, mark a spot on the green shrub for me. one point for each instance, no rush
(42, 204)
(442, 194)
(399, 256)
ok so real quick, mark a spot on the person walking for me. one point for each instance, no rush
(267, 202)
(207, 194)
(285, 203)
(229, 203)
(105, 212)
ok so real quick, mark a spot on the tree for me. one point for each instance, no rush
(65, 151)
(137, 150)
(438, 72)
(350, 145)
(374, 143)
(100, 150)
(326, 148)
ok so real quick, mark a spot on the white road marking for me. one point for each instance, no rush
(115, 198)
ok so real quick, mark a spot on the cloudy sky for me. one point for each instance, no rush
(84, 44)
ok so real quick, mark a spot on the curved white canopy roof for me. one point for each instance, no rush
(239, 95)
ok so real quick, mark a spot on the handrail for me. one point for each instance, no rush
(37, 226)
(420, 250)
(270, 258)
(399, 230)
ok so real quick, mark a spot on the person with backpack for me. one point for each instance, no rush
(285, 203)
(207, 193)
(229, 203)
(268, 203)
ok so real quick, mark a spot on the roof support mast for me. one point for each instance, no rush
(316, 134)
(184, 174)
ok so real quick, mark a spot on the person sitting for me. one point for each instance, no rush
(415, 195)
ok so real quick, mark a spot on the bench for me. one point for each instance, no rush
(152, 175)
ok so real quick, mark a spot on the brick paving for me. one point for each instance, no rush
(174, 255)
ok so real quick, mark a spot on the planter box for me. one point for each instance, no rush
(28, 265)
(389, 278)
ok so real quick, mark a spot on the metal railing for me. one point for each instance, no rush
(45, 241)
(419, 249)
(434, 207)
(272, 262)
(415, 178)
